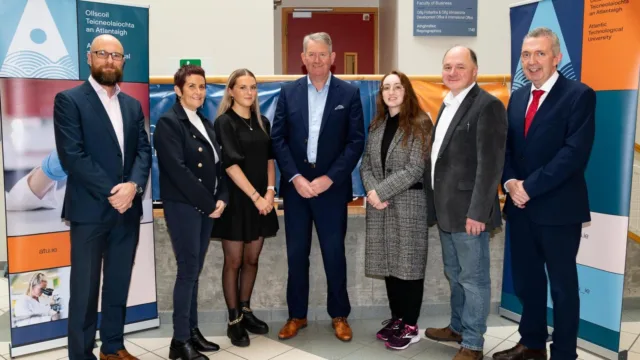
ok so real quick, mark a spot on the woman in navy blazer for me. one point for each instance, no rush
(193, 193)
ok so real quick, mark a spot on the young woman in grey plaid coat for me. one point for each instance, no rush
(396, 219)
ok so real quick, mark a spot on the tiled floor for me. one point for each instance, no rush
(318, 342)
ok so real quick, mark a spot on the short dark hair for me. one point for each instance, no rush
(181, 75)
(474, 57)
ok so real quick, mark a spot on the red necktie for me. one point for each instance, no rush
(531, 112)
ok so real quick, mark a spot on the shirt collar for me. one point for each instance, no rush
(190, 113)
(546, 87)
(99, 89)
(326, 84)
(450, 99)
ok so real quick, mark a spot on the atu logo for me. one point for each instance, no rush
(37, 49)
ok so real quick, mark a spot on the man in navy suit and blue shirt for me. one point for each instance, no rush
(104, 147)
(317, 139)
(551, 132)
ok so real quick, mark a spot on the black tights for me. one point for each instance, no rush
(243, 258)
(405, 298)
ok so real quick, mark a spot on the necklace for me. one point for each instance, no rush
(248, 125)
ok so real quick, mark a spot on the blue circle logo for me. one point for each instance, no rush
(38, 36)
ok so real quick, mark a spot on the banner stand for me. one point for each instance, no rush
(43, 51)
(594, 36)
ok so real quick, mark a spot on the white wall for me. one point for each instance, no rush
(225, 34)
(277, 20)
(388, 36)
(422, 55)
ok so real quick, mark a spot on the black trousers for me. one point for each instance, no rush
(91, 244)
(405, 298)
(190, 232)
(534, 247)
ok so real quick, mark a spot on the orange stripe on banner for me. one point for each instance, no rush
(35, 252)
(611, 44)
(431, 95)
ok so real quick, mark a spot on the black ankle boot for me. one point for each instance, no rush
(235, 330)
(251, 322)
(200, 343)
(184, 351)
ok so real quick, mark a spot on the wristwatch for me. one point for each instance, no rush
(139, 189)
(271, 188)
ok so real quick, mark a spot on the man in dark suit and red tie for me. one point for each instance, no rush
(317, 139)
(551, 133)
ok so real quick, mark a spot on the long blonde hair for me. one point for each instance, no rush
(36, 279)
(227, 100)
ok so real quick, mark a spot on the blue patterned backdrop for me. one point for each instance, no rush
(162, 97)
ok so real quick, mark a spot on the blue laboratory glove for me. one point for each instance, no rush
(52, 168)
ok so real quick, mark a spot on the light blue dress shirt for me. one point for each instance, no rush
(317, 101)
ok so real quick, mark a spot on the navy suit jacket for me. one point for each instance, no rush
(89, 152)
(553, 157)
(341, 137)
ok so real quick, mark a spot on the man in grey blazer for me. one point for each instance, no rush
(461, 179)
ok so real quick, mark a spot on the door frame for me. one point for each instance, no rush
(341, 10)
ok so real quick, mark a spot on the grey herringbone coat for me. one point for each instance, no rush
(396, 237)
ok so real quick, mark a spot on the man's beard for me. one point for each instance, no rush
(106, 78)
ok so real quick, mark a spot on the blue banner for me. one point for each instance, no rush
(129, 24)
(162, 97)
(445, 18)
(38, 39)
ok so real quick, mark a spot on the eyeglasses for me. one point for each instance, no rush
(397, 88)
(116, 56)
(313, 55)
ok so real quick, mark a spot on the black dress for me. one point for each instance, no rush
(251, 151)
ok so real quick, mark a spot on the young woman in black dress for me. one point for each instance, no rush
(249, 218)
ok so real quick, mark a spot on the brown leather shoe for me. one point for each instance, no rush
(343, 330)
(444, 334)
(521, 352)
(468, 354)
(120, 355)
(290, 329)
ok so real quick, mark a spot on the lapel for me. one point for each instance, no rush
(519, 111)
(126, 119)
(433, 129)
(182, 115)
(543, 112)
(212, 135)
(333, 98)
(462, 111)
(303, 100)
(376, 138)
(99, 109)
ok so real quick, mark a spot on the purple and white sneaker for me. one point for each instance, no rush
(390, 327)
(403, 337)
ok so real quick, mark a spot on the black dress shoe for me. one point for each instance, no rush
(251, 322)
(235, 331)
(184, 351)
(521, 352)
(200, 343)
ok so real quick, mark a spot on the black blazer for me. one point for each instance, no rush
(469, 164)
(90, 153)
(186, 162)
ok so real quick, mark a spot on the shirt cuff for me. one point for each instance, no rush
(294, 176)
(506, 189)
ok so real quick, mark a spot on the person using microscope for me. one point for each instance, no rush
(30, 310)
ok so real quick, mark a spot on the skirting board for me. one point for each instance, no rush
(62, 342)
(582, 344)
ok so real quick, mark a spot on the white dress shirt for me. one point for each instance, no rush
(195, 120)
(546, 87)
(112, 106)
(452, 103)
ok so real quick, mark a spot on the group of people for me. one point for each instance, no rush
(217, 179)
